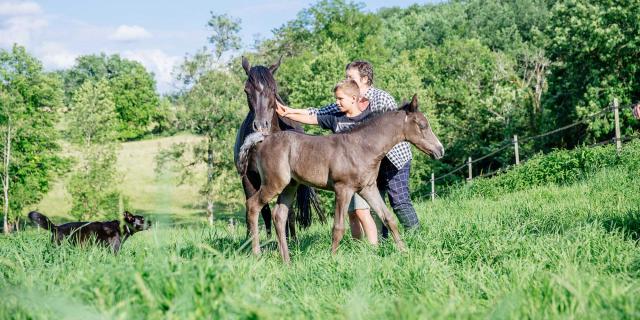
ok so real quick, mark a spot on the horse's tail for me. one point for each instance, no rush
(243, 155)
(306, 200)
(41, 220)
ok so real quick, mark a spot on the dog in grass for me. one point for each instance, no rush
(108, 233)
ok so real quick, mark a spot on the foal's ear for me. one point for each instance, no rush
(412, 106)
(245, 65)
(274, 67)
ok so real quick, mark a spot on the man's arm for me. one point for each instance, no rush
(331, 109)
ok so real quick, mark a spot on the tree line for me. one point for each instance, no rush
(484, 70)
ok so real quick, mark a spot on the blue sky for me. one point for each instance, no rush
(156, 33)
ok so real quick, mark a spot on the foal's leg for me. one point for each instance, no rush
(254, 203)
(251, 184)
(281, 212)
(373, 198)
(343, 196)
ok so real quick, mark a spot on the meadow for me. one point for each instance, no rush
(551, 251)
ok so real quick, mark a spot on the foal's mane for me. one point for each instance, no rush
(375, 118)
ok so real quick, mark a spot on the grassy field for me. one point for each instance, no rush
(148, 191)
(546, 252)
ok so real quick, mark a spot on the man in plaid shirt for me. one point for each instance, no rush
(393, 177)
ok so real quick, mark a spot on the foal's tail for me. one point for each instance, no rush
(243, 155)
(41, 220)
(306, 200)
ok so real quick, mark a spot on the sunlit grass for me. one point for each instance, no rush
(548, 252)
(148, 192)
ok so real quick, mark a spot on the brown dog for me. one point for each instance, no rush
(107, 233)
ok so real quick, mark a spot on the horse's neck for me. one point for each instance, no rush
(382, 133)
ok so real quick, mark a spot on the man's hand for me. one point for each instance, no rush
(363, 103)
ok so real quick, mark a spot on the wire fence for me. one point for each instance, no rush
(618, 139)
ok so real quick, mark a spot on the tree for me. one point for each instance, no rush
(596, 50)
(93, 124)
(29, 104)
(132, 88)
(211, 105)
(224, 33)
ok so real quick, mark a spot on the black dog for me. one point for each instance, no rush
(107, 233)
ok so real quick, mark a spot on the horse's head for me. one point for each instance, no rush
(261, 90)
(417, 130)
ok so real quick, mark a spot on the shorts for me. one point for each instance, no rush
(357, 202)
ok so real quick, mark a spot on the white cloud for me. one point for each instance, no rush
(19, 22)
(158, 62)
(129, 33)
(56, 56)
(19, 8)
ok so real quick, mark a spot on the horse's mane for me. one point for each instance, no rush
(262, 75)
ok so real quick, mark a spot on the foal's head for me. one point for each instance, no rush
(417, 130)
(261, 90)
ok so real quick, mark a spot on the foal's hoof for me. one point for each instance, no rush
(402, 247)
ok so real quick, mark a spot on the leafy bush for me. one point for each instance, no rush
(560, 167)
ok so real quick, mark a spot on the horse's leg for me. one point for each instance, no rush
(343, 196)
(373, 198)
(266, 217)
(281, 212)
(291, 220)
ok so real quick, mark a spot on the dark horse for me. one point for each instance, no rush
(345, 163)
(262, 92)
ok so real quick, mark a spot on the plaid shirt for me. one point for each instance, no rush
(379, 102)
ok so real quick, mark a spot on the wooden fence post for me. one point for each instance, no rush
(433, 187)
(616, 117)
(515, 145)
(470, 173)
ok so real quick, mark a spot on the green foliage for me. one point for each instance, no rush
(558, 167)
(29, 103)
(93, 124)
(212, 105)
(309, 79)
(132, 88)
(595, 45)
(224, 35)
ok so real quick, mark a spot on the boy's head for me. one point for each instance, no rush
(347, 95)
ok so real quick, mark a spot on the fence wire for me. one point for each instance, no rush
(508, 144)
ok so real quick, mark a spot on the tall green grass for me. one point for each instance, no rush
(552, 251)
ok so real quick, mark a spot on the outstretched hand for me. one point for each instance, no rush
(281, 109)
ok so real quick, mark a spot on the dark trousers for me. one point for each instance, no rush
(395, 183)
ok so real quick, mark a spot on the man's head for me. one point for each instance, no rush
(347, 95)
(362, 73)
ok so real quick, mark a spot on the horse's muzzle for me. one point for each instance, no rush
(262, 126)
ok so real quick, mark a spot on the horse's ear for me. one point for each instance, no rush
(413, 107)
(245, 65)
(274, 67)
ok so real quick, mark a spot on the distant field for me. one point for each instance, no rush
(147, 191)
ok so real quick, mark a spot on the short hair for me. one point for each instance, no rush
(349, 87)
(364, 68)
